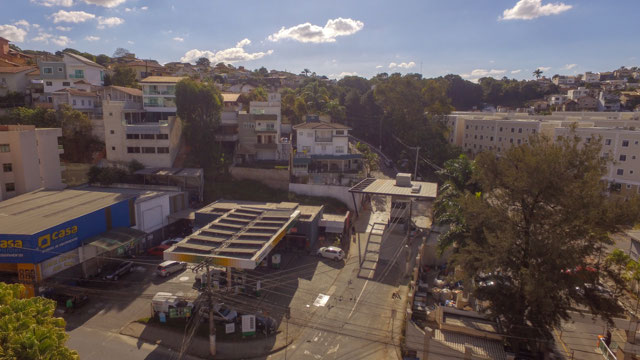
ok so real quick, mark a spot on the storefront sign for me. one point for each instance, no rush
(248, 325)
(60, 263)
(230, 328)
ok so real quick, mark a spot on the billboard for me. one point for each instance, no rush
(63, 237)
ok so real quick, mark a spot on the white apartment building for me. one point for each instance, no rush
(575, 94)
(591, 78)
(73, 68)
(323, 148)
(558, 99)
(30, 159)
(267, 121)
(623, 146)
(142, 125)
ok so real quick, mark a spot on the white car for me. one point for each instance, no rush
(169, 267)
(331, 252)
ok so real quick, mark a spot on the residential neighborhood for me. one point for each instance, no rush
(351, 190)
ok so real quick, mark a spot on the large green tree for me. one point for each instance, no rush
(541, 214)
(122, 76)
(199, 107)
(28, 329)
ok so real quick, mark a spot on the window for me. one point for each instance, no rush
(113, 148)
(47, 70)
(511, 141)
(66, 83)
(625, 143)
(163, 150)
(133, 136)
(133, 150)
(339, 149)
(79, 74)
(73, 101)
(475, 136)
(633, 157)
(4, 148)
(339, 132)
(481, 137)
(112, 132)
(607, 142)
(89, 102)
(48, 83)
(533, 131)
(10, 187)
(520, 131)
(467, 127)
(147, 137)
(7, 167)
(492, 138)
(82, 101)
(620, 172)
(162, 136)
(519, 141)
(513, 129)
(623, 157)
(148, 150)
(500, 128)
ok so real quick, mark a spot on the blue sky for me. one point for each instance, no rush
(473, 38)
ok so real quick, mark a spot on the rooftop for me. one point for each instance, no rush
(187, 172)
(162, 79)
(388, 187)
(241, 236)
(16, 69)
(39, 210)
(76, 92)
(127, 90)
(230, 97)
(321, 126)
(84, 60)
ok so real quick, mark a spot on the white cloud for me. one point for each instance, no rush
(105, 3)
(531, 9)
(480, 73)
(379, 67)
(343, 74)
(109, 22)
(402, 65)
(12, 33)
(58, 40)
(516, 71)
(229, 56)
(130, 42)
(23, 23)
(35, 26)
(144, 8)
(63, 28)
(134, 9)
(71, 16)
(544, 68)
(178, 38)
(570, 66)
(50, 3)
(92, 38)
(308, 32)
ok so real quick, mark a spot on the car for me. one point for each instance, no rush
(221, 312)
(266, 324)
(169, 267)
(331, 252)
(158, 250)
(171, 242)
(120, 270)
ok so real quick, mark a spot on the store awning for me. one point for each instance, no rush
(114, 239)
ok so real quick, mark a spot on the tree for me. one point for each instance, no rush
(615, 266)
(121, 52)
(306, 72)
(370, 158)
(199, 107)
(77, 135)
(203, 61)
(537, 73)
(28, 329)
(122, 76)
(103, 59)
(542, 210)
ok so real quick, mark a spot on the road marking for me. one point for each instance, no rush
(333, 350)
(358, 298)
(561, 342)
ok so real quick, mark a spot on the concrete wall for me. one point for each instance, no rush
(340, 193)
(49, 155)
(275, 178)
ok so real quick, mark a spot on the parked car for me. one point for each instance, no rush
(169, 267)
(158, 250)
(266, 324)
(120, 270)
(221, 312)
(171, 242)
(331, 252)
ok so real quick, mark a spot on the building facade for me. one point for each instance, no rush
(58, 75)
(30, 159)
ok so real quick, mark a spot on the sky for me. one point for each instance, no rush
(472, 38)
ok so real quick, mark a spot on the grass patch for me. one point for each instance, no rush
(75, 174)
(249, 190)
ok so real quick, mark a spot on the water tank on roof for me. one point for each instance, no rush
(403, 179)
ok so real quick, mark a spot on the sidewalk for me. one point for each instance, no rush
(168, 337)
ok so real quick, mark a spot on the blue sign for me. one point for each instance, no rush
(62, 237)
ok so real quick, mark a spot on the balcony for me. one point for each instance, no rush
(324, 139)
(74, 76)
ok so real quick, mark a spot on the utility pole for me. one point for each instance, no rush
(380, 132)
(415, 174)
(212, 325)
(286, 341)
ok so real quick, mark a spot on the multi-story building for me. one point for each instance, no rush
(14, 79)
(574, 94)
(259, 132)
(591, 78)
(563, 80)
(64, 74)
(622, 145)
(557, 99)
(227, 133)
(30, 159)
(142, 125)
(321, 152)
(608, 101)
(143, 68)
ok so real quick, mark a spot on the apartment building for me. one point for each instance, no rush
(591, 78)
(623, 146)
(14, 79)
(142, 125)
(557, 99)
(72, 69)
(321, 152)
(564, 80)
(30, 159)
(228, 132)
(259, 136)
(574, 94)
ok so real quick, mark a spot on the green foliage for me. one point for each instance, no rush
(103, 59)
(122, 76)
(108, 175)
(370, 157)
(28, 329)
(615, 266)
(203, 61)
(541, 211)
(199, 107)
(134, 165)
(32, 116)
(11, 99)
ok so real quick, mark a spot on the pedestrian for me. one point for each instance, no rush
(69, 305)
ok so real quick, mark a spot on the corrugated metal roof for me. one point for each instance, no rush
(162, 79)
(482, 348)
(39, 210)
(389, 187)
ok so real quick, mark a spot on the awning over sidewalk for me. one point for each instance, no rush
(114, 239)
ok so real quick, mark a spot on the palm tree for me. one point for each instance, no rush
(306, 72)
(537, 73)
(315, 96)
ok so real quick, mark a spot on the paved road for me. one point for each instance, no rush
(580, 335)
